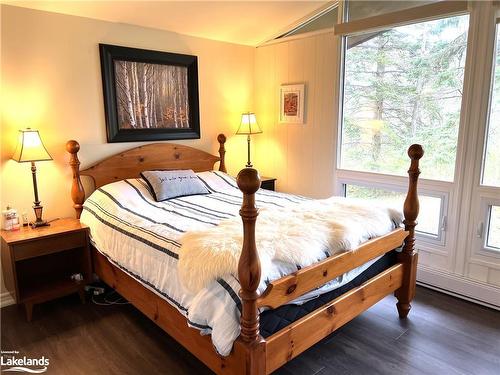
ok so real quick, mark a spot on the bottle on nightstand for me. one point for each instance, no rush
(10, 219)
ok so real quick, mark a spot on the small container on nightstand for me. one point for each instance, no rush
(268, 183)
(40, 264)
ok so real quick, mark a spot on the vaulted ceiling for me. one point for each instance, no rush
(242, 22)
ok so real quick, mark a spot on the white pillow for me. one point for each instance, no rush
(172, 184)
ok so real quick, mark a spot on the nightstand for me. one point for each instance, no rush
(268, 183)
(38, 264)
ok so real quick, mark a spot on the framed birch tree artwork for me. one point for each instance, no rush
(149, 95)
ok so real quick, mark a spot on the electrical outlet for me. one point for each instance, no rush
(94, 289)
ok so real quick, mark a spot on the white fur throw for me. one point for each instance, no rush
(299, 234)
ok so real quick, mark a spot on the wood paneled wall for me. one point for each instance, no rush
(301, 157)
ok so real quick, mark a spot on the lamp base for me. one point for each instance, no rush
(38, 214)
(42, 223)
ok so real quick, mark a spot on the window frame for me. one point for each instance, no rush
(482, 195)
(484, 214)
(340, 119)
(488, 113)
(449, 191)
(408, 16)
(487, 194)
(451, 264)
(440, 238)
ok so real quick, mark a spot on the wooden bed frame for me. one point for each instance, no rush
(252, 354)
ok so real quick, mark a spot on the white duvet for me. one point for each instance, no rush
(143, 237)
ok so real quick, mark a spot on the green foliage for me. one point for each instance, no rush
(404, 86)
(491, 172)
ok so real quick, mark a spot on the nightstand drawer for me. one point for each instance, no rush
(49, 245)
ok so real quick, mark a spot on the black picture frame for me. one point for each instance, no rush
(109, 54)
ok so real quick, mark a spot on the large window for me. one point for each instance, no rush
(427, 75)
(491, 166)
(489, 218)
(404, 86)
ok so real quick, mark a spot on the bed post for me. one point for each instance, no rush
(408, 256)
(77, 191)
(249, 276)
(221, 138)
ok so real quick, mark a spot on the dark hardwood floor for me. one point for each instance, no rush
(443, 335)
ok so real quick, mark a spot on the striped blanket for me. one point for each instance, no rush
(143, 238)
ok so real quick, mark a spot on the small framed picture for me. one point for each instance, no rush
(292, 104)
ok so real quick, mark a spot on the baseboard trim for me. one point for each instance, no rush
(459, 286)
(6, 299)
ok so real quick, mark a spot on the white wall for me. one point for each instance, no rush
(301, 157)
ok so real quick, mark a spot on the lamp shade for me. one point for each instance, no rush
(30, 147)
(248, 124)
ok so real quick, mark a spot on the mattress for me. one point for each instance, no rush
(272, 321)
(142, 237)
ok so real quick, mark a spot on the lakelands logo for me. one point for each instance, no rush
(12, 363)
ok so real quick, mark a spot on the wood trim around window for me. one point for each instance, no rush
(402, 17)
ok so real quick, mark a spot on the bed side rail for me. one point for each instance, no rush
(288, 288)
(297, 337)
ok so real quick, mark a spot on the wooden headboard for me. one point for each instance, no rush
(130, 163)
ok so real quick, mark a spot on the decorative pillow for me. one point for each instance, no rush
(172, 184)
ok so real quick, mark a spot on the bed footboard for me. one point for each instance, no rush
(266, 356)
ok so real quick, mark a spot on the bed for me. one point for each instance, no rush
(297, 307)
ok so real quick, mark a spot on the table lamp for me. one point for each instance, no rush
(248, 127)
(31, 149)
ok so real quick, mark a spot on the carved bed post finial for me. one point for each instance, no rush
(77, 191)
(221, 138)
(411, 205)
(249, 264)
(408, 255)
